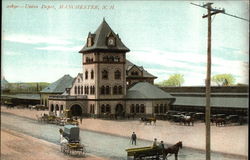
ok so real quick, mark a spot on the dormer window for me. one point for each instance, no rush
(89, 42)
(111, 40)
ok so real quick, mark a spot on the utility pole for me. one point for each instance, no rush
(208, 79)
(210, 12)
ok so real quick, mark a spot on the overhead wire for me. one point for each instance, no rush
(223, 12)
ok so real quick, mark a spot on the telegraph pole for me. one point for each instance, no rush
(210, 12)
(208, 83)
(208, 79)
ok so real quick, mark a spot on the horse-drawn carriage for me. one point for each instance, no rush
(65, 119)
(146, 120)
(151, 152)
(223, 119)
(70, 141)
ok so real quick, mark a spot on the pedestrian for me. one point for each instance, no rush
(155, 143)
(133, 138)
(81, 119)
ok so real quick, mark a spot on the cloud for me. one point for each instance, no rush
(192, 65)
(34, 39)
(61, 48)
(11, 53)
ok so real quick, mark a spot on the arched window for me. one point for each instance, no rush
(61, 107)
(103, 108)
(117, 74)
(52, 108)
(81, 89)
(108, 110)
(142, 108)
(102, 90)
(87, 92)
(120, 90)
(115, 90)
(104, 74)
(93, 89)
(86, 74)
(107, 90)
(75, 89)
(57, 107)
(92, 74)
(132, 108)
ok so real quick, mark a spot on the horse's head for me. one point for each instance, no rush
(179, 144)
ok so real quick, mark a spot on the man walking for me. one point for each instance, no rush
(133, 138)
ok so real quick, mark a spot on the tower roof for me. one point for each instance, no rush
(99, 39)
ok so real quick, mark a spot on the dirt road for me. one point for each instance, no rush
(15, 145)
(104, 145)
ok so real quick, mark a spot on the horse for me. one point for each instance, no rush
(220, 121)
(148, 120)
(187, 120)
(174, 149)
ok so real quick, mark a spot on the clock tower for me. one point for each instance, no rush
(104, 72)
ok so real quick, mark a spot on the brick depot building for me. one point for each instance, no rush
(103, 85)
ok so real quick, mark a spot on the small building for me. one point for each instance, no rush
(56, 88)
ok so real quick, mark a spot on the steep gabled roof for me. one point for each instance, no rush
(145, 90)
(60, 85)
(100, 40)
(145, 73)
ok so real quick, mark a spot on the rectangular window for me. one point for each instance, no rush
(156, 109)
(137, 108)
(142, 109)
(132, 109)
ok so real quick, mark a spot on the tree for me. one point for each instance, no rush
(223, 79)
(174, 80)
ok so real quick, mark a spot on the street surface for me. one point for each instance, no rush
(103, 145)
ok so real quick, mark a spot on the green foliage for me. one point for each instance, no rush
(28, 86)
(223, 79)
(175, 80)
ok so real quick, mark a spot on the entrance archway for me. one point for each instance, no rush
(52, 108)
(119, 110)
(76, 110)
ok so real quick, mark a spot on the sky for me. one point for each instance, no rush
(41, 39)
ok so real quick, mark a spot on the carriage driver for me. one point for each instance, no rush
(161, 146)
(155, 143)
